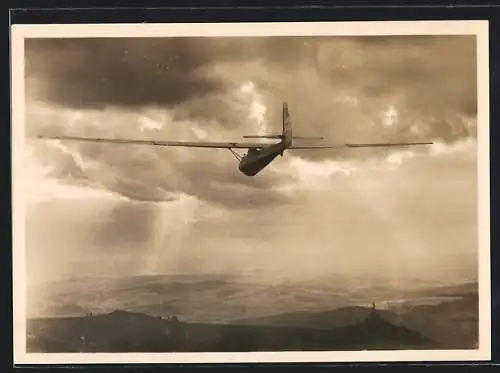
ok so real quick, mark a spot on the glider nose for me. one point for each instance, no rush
(242, 164)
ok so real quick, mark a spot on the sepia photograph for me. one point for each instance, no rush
(263, 192)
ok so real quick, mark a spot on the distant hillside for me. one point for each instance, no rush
(218, 299)
(122, 331)
(453, 324)
(210, 305)
(465, 289)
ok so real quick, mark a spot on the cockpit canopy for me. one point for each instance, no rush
(254, 151)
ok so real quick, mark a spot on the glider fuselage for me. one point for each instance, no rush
(258, 158)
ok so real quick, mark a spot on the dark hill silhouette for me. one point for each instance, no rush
(122, 331)
(375, 332)
(330, 319)
(372, 333)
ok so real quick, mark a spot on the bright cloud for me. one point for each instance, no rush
(38, 185)
(439, 148)
(390, 116)
(257, 107)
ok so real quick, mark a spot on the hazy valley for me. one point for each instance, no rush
(444, 313)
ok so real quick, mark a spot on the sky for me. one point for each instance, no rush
(120, 210)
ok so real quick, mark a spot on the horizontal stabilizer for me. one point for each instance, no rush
(280, 136)
(307, 138)
(262, 137)
(303, 147)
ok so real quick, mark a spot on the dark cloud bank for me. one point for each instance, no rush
(433, 76)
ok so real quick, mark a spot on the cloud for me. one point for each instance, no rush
(39, 183)
(123, 209)
(321, 175)
(409, 217)
(96, 72)
(347, 89)
(426, 78)
(466, 144)
(146, 173)
(92, 73)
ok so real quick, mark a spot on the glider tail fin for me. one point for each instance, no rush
(287, 125)
(307, 138)
(286, 134)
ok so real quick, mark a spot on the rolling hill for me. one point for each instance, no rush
(224, 313)
(122, 331)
